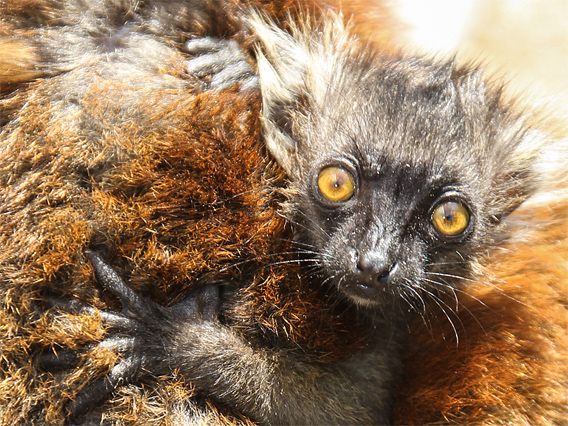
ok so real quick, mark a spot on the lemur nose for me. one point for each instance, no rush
(374, 268)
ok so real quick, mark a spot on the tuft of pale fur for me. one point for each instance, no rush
(296, 64)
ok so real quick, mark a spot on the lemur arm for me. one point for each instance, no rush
(271, 386)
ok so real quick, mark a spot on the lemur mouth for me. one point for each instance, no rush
(362, 293)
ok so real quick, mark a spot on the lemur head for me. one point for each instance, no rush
(401, 168)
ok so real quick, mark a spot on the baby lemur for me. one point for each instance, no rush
(399, 171)
(390, 211)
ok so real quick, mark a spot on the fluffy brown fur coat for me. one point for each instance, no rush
(94, 153)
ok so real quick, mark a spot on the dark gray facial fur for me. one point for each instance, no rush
(414, 134)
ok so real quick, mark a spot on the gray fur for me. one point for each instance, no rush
(272, 386)
(413, 131)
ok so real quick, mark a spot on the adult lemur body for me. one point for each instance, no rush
(401, 173)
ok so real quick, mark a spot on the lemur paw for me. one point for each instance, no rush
(222, 62)
(139, 333)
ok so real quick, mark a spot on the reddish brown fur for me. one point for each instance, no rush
(56, 200)
(171, 193)
(511, 363)
(141, 213)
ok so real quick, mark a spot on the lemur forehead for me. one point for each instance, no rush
(407, 170)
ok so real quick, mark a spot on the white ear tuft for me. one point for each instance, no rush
(295, 69)
(282, 66)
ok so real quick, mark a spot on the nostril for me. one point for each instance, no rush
(374, 268)
(383, 275)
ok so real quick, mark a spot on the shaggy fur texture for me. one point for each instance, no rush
(503, 356)
(107, 144)
(494, 348)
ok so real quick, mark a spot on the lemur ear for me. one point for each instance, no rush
(295, 67)
(282, 66)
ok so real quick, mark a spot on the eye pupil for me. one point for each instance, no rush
(448, 214)
(335, 184)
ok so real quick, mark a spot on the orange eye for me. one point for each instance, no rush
(336, 184)
(450, 218)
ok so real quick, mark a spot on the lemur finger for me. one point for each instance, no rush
(224, 61)
(66, 359)
(62, 359)
(93, 394)
(118, 321)
(205, 65)
(132, 302)
(199, 46)
(240, 72)
(111, 319)
(108, 277)
(73, 306)
(89, 398)
(250, 83)
(118, 344)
